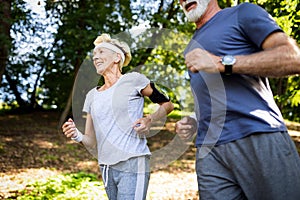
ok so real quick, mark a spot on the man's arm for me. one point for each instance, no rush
(280, 57)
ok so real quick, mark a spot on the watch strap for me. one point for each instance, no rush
(228, 69)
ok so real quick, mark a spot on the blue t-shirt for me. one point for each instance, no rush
(230, 107)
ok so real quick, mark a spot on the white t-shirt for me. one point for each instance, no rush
(113, 112)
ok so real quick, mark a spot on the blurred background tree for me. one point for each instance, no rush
(41, 52)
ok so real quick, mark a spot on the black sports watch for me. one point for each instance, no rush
(228, 61)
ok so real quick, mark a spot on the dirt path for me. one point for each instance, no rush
(33, 148)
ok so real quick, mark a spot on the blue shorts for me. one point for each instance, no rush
(262, 166)
(127, 180)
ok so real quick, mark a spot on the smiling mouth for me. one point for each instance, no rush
(99, 63)
(99, 66)
(189, 6)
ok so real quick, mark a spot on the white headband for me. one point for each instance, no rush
(111, 47)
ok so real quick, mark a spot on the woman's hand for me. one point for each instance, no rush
(69, 129)
(142, 125)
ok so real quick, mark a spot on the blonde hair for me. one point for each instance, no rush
(120, 44)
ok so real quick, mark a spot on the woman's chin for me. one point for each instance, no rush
(100, 71)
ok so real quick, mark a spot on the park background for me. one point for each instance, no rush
(44, 47)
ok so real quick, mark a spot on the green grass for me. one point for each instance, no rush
(75, 186)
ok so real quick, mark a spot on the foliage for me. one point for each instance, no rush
(13, 14)
(47, 50)
(286, 90)
(79, 23)
(287, 96)
(165, 64)
(76, 186)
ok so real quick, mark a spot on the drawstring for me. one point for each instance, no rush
(105, 173)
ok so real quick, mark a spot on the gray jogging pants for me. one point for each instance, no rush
(259, 167)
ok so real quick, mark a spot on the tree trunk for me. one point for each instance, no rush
(5, 41)
(33, 102)
(66, 111)
(68, 107)
(13, 86)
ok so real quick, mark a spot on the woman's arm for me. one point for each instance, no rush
(88, 139)
(165, 107)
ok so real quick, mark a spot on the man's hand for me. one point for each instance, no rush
(186, 128)
(201, 60)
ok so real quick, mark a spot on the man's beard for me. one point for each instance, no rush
(195, 14)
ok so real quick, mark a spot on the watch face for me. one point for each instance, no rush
(228, 60)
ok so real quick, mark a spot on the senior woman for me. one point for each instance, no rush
(115, 125)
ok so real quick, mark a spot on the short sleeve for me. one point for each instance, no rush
(87, 102)
(256, 23)
(140, 81)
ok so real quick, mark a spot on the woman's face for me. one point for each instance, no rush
(103, 59)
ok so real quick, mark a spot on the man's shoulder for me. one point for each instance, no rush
(245, 9)
(248, 7)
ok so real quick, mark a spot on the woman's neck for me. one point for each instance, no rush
(110, 80)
